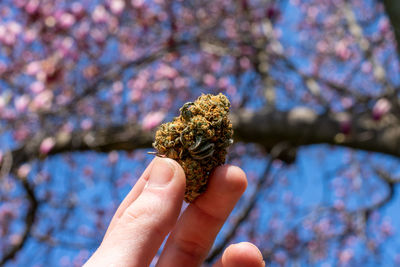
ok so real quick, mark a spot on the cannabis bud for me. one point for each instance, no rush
(197, 140)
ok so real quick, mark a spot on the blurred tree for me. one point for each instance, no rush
(80, 79)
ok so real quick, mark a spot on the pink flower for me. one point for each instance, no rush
(113, 157)
(100, 14)
(77, 9)
(24, 170)
(32, 6)
(33, 68)
(21, 103)
(137, 3)
(384, 25)
(66, 20)
(98, 35)
(387, 228)
(86, 124)
(30, 35)
(46, 145)
(14, 27)
(381, 107)
(42, 101)
(21, 133)
(209, 80)
(153, 119)
(345, 256)
(136, 95)
(117, 6)
(342, 50)
(165, 71)
(117, 86)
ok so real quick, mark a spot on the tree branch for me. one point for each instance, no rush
(302, 126)
(28, 223)
(393, 11)
(299, 126)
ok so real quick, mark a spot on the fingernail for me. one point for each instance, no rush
(162, 173)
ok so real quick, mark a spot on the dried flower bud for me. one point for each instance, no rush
(197, 140)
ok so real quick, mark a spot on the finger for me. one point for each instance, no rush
(241, 254)
(141, 228)
(198, 226)
(132, 196)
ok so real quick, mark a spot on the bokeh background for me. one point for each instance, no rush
(314, 87)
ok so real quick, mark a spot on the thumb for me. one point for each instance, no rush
(142, 227)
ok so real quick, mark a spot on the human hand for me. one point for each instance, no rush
(150, 212)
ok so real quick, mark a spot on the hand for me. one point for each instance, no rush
(150, 212)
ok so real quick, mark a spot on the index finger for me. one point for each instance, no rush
(198, 226)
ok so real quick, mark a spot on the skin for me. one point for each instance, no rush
(150, 212)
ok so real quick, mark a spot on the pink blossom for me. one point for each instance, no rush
(42, 101)
(346, 255)
(322, 46)
(136, 95)
(347, 102)
(66, 20)
(30, 35)
(339, 205)
(223, 82)
(113, 157)
(82, 30)
(77, 9)
(21, 102)
(33, 68)
(3, 32)
(32, 6)
(153, 119)
(209, 80)
(46, 145)
(24, 170)
(66, 46)
(342, 50)
(387, 228)
(366, 67)
(86, 124)
(21, 133)
(19, 3)
(381, 107)
(165, 71)
(280, 257)
(98, 35)
(180, 82)
(137, 3)
(139, 83)
(100, 14)
(36, 87)
(9, 32)
(384, 25)
(244, 63)
(117, 86)
(231, 90)
(88, 171)
(117, 6)
(14, 27)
